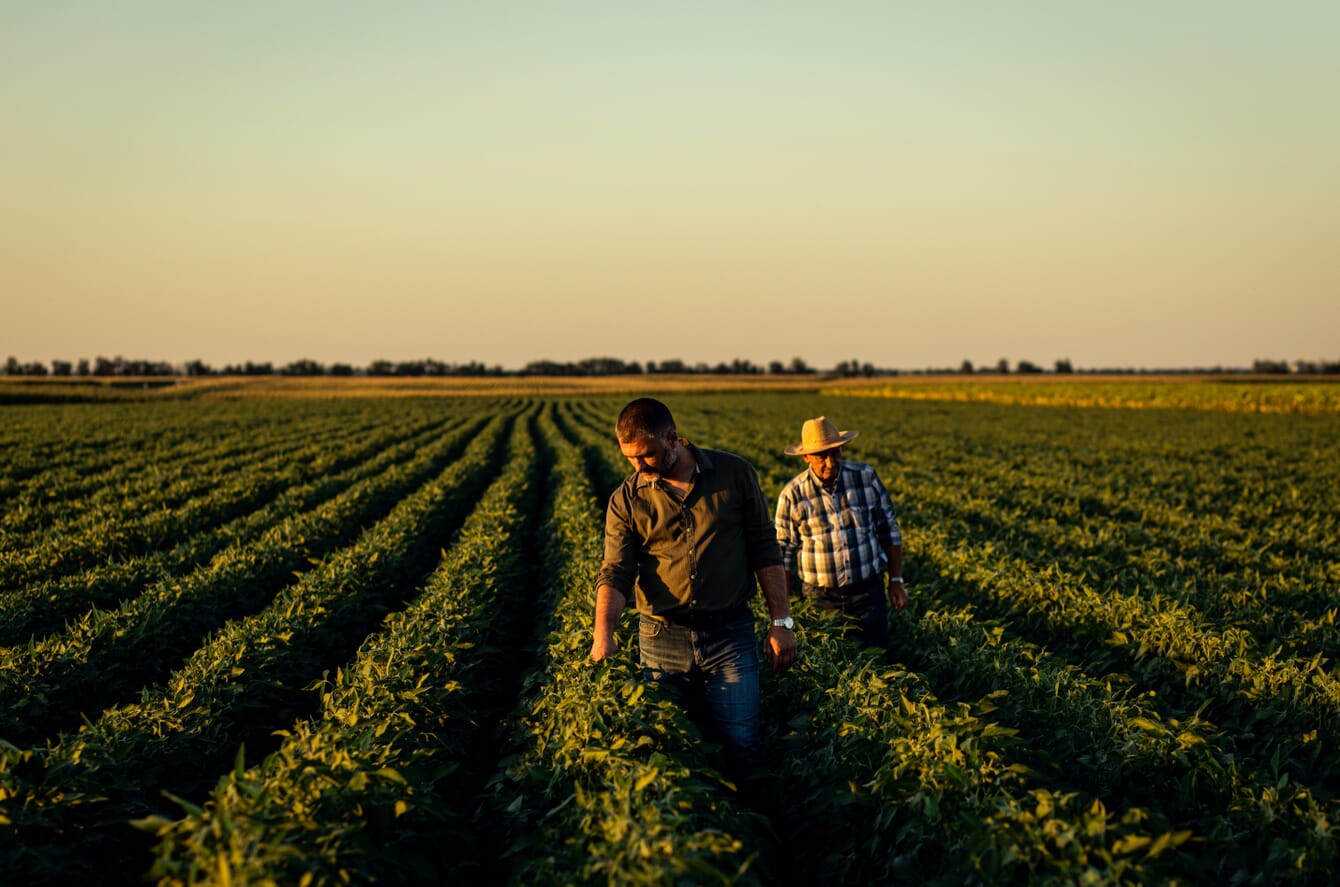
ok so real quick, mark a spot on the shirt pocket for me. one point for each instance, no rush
(818, 523)
(858, 520)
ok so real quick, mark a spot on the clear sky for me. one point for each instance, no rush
(1134, 184)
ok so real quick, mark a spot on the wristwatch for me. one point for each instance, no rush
(785, 622)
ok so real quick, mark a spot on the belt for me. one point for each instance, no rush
(874, 582)
(706, 618)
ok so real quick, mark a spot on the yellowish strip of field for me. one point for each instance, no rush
(1236, 393)
(1239, 395)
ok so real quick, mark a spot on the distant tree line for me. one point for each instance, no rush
(592, 366)
(610, 366)
(1301, 367)
(1064, 366)
(603, 366)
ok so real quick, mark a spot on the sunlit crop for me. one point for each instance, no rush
(344, 640)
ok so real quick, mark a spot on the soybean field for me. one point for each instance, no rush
(344, 640)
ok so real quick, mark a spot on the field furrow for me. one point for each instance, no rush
(144, 482)
(603, 783)
(243, 683)
(42, 608)
(392, 762)
(51, 684)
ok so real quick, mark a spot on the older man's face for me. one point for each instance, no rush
(825, 465)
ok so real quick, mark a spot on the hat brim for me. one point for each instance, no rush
(799, 449)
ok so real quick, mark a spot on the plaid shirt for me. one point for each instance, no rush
(840, 537)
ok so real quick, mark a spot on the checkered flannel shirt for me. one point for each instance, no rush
(839, 538)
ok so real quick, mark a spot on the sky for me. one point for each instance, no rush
(906, 184)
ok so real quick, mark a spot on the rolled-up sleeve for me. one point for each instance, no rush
(619, 567)
(788, 537)
(760, 533)
(886, 522)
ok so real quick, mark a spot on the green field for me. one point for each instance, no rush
(344, 638)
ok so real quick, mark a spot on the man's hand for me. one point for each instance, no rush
(897, 594)
(602, 646)
(781, 648)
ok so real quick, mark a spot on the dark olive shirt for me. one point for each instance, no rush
(698, 554)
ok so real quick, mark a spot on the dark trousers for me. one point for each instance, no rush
(864, 604)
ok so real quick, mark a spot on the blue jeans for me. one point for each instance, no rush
(713, 673)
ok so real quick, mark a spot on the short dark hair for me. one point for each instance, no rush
(643, 416)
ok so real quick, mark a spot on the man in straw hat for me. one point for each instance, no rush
(836, 524)
(687, 534)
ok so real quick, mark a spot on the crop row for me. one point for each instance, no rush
(891, 784)
(1247, 733)
(143, 481)
(1035, 720)
(42, 608)
(603, 782)
(48, 438)
(886, 783)
(1274, 721)
(242, 682)
(1240, 528)
(985, 524)
(1164, 644)
(1224, 566)
(1114, 746)
(100, 536)
(370, 788)
(103, 656)
(66, 454)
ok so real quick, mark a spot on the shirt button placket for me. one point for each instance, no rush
(688, 535)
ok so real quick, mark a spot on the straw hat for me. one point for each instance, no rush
(817, 435)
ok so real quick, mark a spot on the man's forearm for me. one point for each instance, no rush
(895, 557)
(609, 607)
(775, 592)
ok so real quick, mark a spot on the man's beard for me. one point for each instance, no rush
(671, 462)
